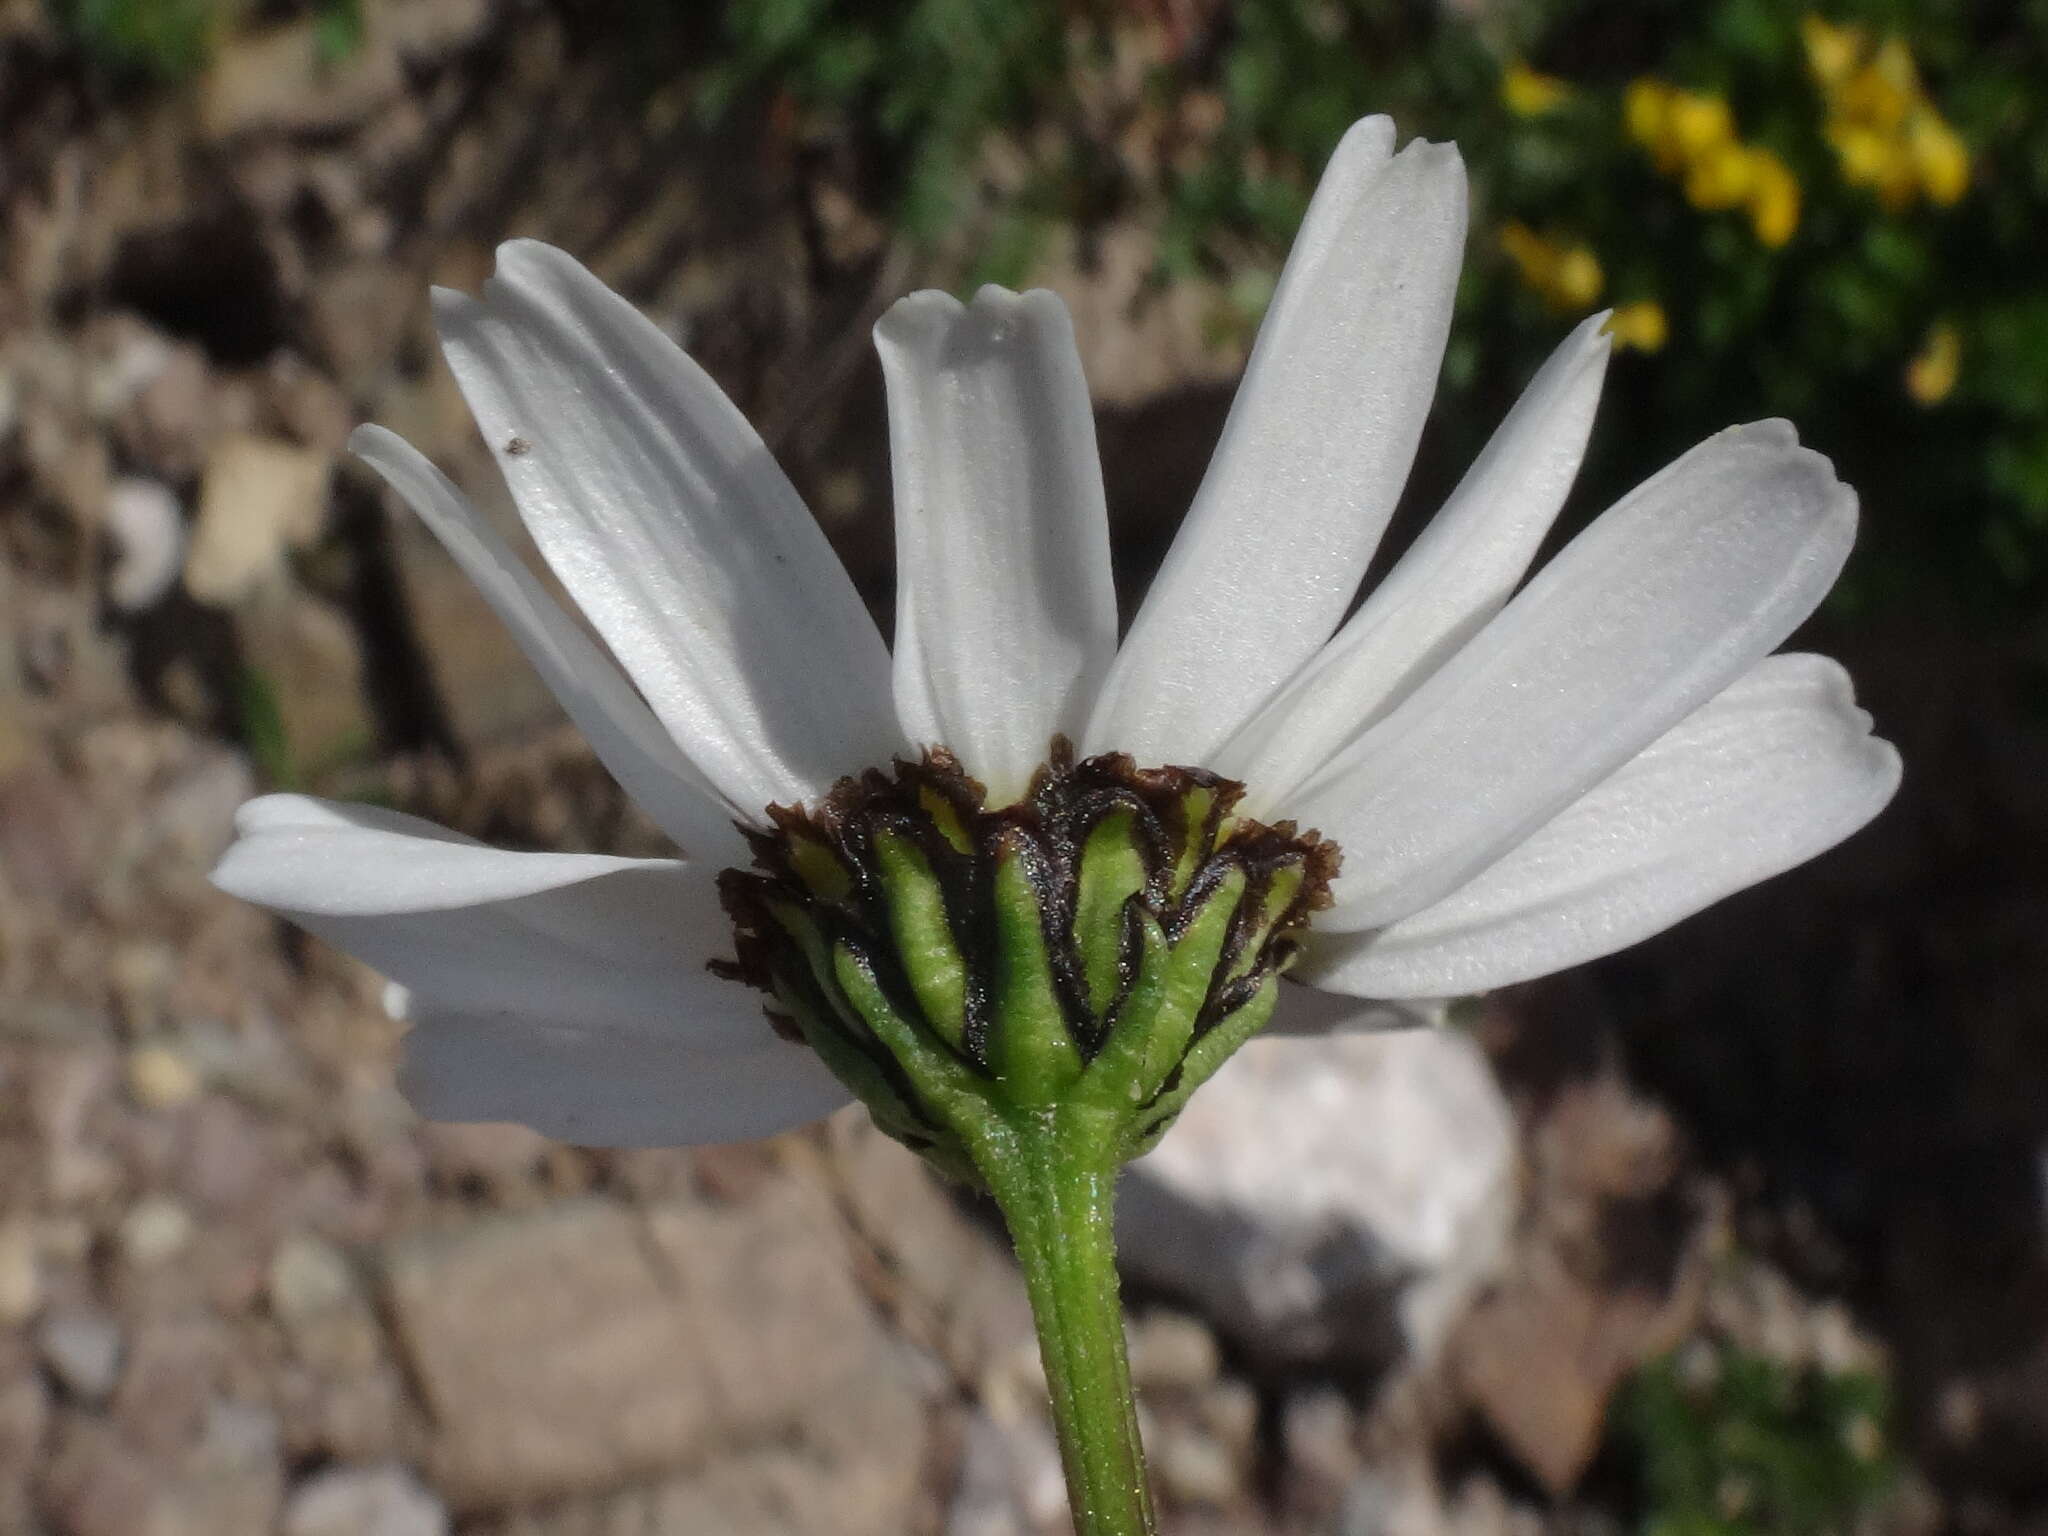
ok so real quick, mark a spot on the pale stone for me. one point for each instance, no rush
(155, 1230)
(148, 534)
(161, 1078)
(1342, 1194)
(308, 1276)
(1171, 1349)
(258, 498)
(364, 1501)
(1194, 1467)
(83, 1351)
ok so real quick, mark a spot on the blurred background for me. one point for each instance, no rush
(1739, 1232)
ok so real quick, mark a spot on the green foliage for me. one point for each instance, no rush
(1733, 1444)
(337, 29)
(170, 41)
(260, 719)
(928, 80)
(155, 39)
(989, 124)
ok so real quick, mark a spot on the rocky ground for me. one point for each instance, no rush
(242, 1289)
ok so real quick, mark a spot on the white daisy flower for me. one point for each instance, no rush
(1518, 776)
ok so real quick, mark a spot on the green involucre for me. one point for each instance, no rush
(1103, 944)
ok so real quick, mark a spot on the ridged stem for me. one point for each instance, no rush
(1053, 1174)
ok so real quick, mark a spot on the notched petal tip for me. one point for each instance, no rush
(1808, 472)
(1840, 507)
(1433, 156)
(936, 323)
(1771, 432)
(1366, 145)
(917, 317)
(1039, 303)
(1590, 337)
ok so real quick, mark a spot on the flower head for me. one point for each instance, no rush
(1090, 863)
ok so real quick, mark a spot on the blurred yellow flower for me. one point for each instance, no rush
(1696, 123)
(1563, 276)
(1645, 110)
(1863, 153)
(1773, 199)
(1831, 51)
(1578, 279)
(1640, 325)
(1894, 61)
(1940, 157)
(1529, 93)
(1721, 178)
(1875, 98)
(1691, 134)
(1931, 376)
(1886, 134)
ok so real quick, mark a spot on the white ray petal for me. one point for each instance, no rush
(1453, 579)
(1312, 458)
(309, 813)
(610, 1088)
(609, 943)
(673, 528)
(618, 725)
(1669, 597)
(1778, 768)
(1005, 610)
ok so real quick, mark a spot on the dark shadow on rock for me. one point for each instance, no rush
(398, 676)
(206, 277)
(179, 635)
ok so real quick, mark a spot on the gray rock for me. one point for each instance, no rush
(960, 1287)
(1340, 1196)
(584, 1346)
(1171, 1349)
(364, 1501)
(148, 534)
(156, 1229)
(1010, 1483)
(1193, 1466)
(83, 1351)
(232, 1483)
(307, 1277)
(551, 1354)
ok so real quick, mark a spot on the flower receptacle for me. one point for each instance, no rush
(1098, 948)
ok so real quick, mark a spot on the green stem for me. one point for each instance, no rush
(1053, 1173)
